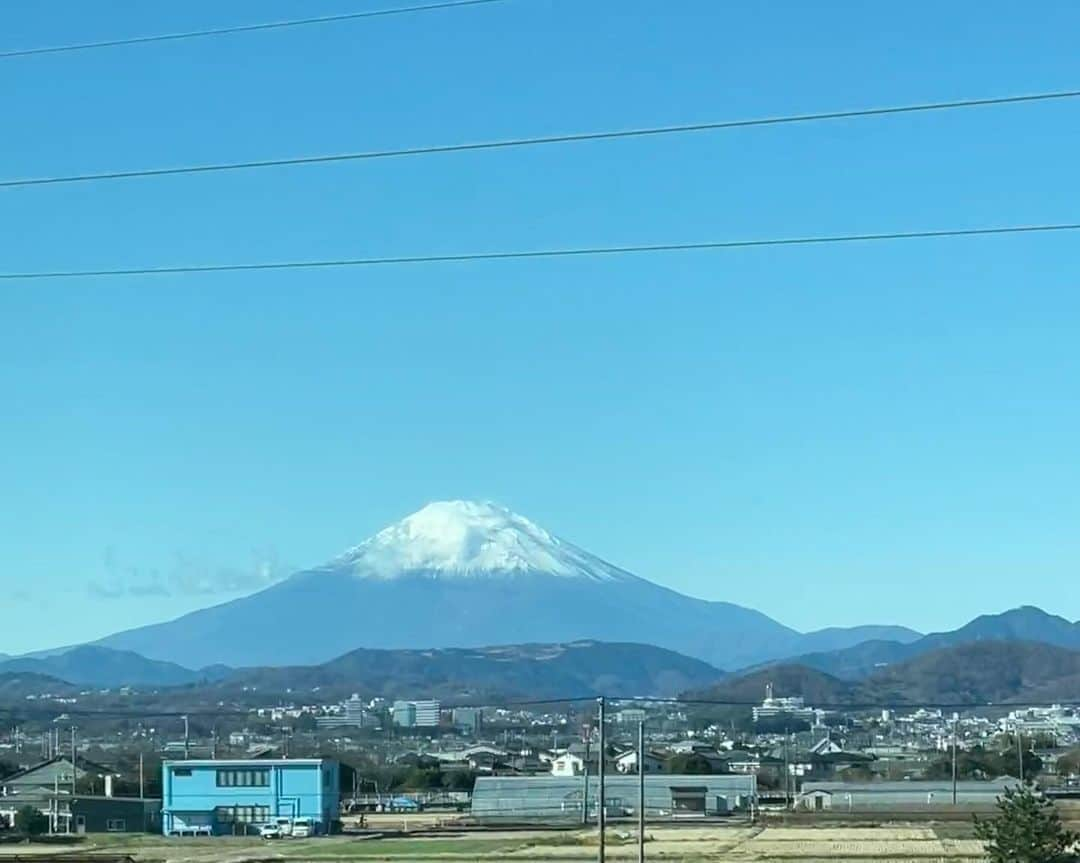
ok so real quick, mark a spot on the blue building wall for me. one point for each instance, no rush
(232, 796)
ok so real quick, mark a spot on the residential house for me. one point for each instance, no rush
(627, 762)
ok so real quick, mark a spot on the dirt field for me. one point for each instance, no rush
(747, 844)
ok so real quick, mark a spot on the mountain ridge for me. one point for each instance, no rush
(975, 672)
(1026, 623)
(567, 670)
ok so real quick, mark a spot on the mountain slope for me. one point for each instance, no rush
(982, 672)
(1026, 623)
(92, 665)
(579, 669)
(787, 679)
(458, 574)
(18, 685)
(1019, 624)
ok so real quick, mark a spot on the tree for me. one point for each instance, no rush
(31, 821)
(305, 722)
(1069, 763)
(1026, 830)
(979, 763)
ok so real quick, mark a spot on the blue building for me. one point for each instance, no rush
(226, 797)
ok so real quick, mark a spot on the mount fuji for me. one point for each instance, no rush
(464, 574)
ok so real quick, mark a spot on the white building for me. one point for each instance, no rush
(792, 706)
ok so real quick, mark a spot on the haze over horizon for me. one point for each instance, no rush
(890, 428)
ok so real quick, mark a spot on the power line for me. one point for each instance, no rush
(242, 28)
(542, 253)
(543, 140)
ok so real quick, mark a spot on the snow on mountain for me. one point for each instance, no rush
(459, 538)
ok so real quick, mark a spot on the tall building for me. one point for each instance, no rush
(404, 714)
(469, 719)
(416, 714)
(427, 714)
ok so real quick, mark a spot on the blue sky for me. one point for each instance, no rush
(876, 433)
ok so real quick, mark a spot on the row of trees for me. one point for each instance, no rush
(980, 763)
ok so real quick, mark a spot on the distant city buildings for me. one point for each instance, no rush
(354, 713)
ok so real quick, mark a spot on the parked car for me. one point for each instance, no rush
(270, 831)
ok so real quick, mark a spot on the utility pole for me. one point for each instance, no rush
(142, 783)
(585, 794)
(956, 721)
(1020, 751)
(73, 770)
(187, 739)
(641, 792)
(601, 817)
(787, 769)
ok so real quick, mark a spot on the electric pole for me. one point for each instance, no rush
(956, 721)
(641, 792)
(73, 770)
(1020, 751)
(585, 794)
(187, 739)
(601, 818)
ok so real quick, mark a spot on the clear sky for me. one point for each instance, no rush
(877, 433)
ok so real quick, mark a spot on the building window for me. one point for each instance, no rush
(116, 825)
(241, 814)
(259, 778)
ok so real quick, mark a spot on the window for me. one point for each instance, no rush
(241, 814)
(181, 771)
(116, 825)
(258, 778)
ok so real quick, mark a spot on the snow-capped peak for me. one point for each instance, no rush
(459, 538)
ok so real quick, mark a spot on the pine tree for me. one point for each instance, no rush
(1026, 830)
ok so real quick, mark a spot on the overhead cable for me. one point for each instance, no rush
(588, 251)
(542, 140)
(241, 28)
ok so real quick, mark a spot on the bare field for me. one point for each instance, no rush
(745, 844)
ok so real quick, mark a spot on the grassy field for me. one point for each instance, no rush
(783, 844)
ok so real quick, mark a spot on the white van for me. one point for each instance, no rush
(284, 826)
(302, 828)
